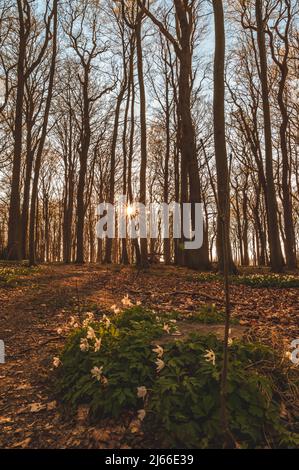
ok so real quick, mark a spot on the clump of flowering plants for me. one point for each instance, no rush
(123, 363)
(105, 361)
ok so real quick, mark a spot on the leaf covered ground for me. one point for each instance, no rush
(37, 304)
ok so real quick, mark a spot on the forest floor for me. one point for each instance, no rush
(40, 303)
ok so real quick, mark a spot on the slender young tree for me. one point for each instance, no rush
(226, 264)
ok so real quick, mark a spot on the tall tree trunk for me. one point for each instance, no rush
(143, 137)
(38, 161)
(199, 258)
(135, 243)
(223, 190)
(245, 230)
(283, 67)
(68, 204)
(126, 163)
(108, 255)
(14, 224)
(85, 143)
(68, 216)
(28, 175)
(183, 46)
(167, 256)
(290, 239)
(276, 257)
(91, 236)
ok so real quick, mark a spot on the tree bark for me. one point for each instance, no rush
(283, 67)
(14, 248)
(38, 161)
(276, 257)
(223, 190)
(143, 136)
(108, 255)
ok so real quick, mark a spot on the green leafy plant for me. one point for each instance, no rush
(208, 277)
(125, 356)
(184, 405)
(210, 315)
(268, 281)
(12, 276)
(181, 380)
(207, 315)
(277, 281)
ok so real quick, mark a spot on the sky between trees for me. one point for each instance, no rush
(153, 101)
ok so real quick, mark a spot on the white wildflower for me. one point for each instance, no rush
(84, 345)
(141, 414)
(126, 301)
(141, 392)
(210, 356)
(56, 362)
(106, 320)
(90, 316)
(176, 332)
(160, 365)
(96, 372)
(115, 309)
(166, 328)
(97, 344)
(159, 351)
(90, 333)
(59, 331)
